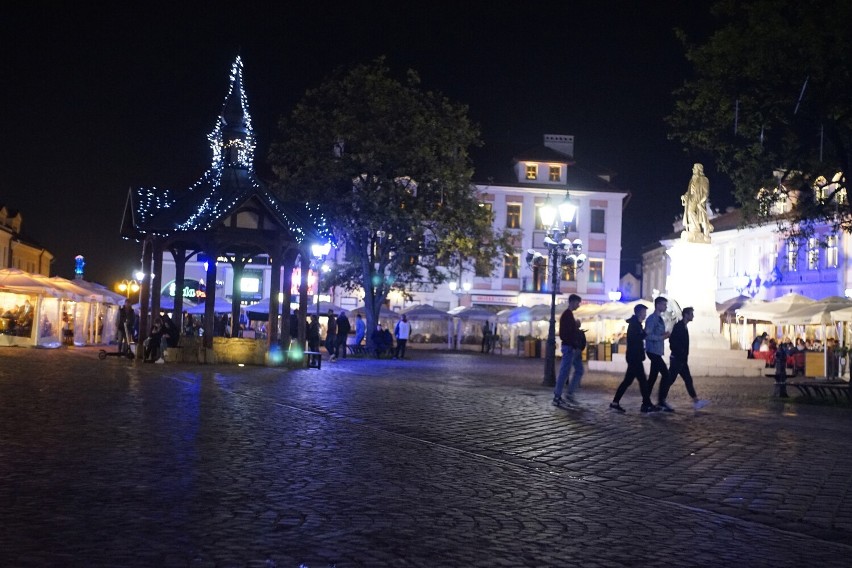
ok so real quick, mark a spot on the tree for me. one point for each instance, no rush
(769, 103)
(389, 164)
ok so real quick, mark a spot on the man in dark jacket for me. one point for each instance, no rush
(635, 356)
(343, 328)
(679, 362)
(331, 334)
(570, 336)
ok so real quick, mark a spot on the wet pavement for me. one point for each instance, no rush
(443, 459)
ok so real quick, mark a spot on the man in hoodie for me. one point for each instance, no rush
(570, 336)
(635, 368)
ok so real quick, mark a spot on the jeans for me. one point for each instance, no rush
(677, 367)
(400, 348)
(570, 358)
(658, 366)
(634, 371)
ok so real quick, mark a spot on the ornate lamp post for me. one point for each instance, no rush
(561, 252)
(128, 287)
(320, 251)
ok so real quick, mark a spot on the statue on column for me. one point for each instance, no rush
(696, 224)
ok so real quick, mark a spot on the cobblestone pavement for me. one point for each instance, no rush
(443, 459)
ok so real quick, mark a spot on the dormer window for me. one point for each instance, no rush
(532, 171)
(555, 173)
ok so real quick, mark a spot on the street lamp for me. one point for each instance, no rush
(128, 287)
(614, 295)
(320, 251)
(561, 251)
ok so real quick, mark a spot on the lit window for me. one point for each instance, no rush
(555, 173)
(250, 284)
(532, 171)
(510, 265)
(569, 274)
(792, 256)
(595, 271)
(598, 224)
(831, 251)
(813, 253)
(513, 216)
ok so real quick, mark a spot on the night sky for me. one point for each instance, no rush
(98, 98)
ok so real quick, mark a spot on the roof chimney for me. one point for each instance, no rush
(562, 143)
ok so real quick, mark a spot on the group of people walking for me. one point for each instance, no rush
(338, 329)
(641, 340)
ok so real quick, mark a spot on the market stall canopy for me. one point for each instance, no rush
(842, 314)
(620, 310)
(731, 305)
(818, 312)
(472, 313)
(108, 295)
(220, 306)
(384, 312)
(16, 280)
(541, 312)
(515, 315)
(424, 312)
(770, 311)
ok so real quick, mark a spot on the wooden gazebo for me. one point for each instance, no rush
(227, 215)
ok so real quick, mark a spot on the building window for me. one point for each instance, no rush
(532, 171)
(595, 271)
(513, 216)
(569, 274)
(555, 173)
(510, 265)
(792, 256)
(598, 224)
(813, 253)
(539, 278)
(831, 251)
(487, 205)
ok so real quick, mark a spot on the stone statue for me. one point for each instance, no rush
(695, 220)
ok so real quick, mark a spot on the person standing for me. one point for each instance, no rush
(781, 369)
(655, 336)
(360, 331)
(635, 356)
(331, 334)
(313, 334)
(679, 362)
(401, 332)
(294, 327)
(343, 327)
(568, 333)
(486, 336)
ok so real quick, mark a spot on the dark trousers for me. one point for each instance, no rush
(400, 347)
(340, 346)
(781, 379)
(634, 371)
(658, 367)
(677, 367)
(331, 343)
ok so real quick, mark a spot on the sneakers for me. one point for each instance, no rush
(569, 399)
(160, 361)
(556, 401)
(699, 404)
(617, 407)
(664, 406)
(650, 408)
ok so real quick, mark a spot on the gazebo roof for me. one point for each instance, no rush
(229, 185)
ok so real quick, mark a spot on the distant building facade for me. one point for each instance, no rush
(18, 251)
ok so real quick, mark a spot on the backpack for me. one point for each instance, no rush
(581, 338)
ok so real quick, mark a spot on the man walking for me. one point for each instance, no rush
(678, 362)
(569, 334)
(655, 336)
(401, 332)
(331, 335)
(635, 368)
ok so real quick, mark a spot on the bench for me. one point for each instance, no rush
(822, 389)
(314, 359)
(357, 349)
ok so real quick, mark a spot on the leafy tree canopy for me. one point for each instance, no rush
(389, 162)
(770, 104)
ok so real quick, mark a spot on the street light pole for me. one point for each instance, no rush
(320, 251)
(561, 251)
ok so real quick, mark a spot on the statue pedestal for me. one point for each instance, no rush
(692, 282)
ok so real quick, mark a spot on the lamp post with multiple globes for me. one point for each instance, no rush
(561, 252)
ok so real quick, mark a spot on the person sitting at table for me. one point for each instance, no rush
(757, 344)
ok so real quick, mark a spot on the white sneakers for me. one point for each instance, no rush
(699, 404)
(160, 361)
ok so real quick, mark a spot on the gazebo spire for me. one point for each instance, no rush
(232, 140)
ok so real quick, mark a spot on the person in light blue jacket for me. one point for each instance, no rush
(655, 336)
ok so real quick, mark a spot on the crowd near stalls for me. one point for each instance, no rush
(48, 312)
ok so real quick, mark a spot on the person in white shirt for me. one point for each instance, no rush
(401, 332)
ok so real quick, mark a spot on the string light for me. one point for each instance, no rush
(231, 180)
